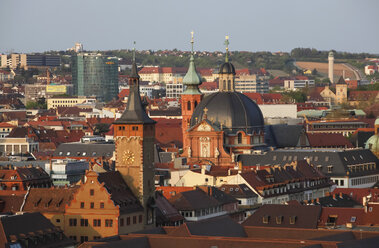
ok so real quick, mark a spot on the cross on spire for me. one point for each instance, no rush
(134, 51)
(192, 41)
(226, 43)
(205, 110)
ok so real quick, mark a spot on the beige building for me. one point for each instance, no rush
(13, 60)
(11, 146)
(55, 101)
(338, 97)
(33, 92)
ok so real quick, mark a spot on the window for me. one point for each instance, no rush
(134, 219)
(73, 238)
(292, 220)
(239, 138)
(279, 219)
(58, 220)
(97, 222)
(140, 218)
(266, 218)
(122, 222)
(135, 128)
(83, 239)
(353, 219)
(108, 223)
(101, 204)
(82, 205)
(96, 237)
(72, 222)
(330, 169)
(91, 192)
(188, 105)
(92, 205)
(342, 182)
(83, 222)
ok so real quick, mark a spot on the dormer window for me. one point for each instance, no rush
(292, 220)
(266, 219)
(279, 219)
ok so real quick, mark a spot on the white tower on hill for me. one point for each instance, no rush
(331, 66)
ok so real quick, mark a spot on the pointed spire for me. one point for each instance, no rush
(226, 43)
(192, 80)
(135, 111)
(134, 73)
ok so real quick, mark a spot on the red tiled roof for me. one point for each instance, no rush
(209, 85)
(169, 191)
(328, 140)
(124, 93)
(6, 125)
(358, 194)
(168, 131)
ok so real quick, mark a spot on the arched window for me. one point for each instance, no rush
(195, 104)
(239, 138)
(229, 85)
(224, 85)
(188, 105)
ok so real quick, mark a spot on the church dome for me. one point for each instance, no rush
(373, 143)
(235, 111)
(227, 68)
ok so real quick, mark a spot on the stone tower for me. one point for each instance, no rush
(331, 67)
(134, 135)
(226, 72)
(341, 91)
(191, 96)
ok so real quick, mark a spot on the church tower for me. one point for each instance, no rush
(134, 135)
(341, 91)
(191, 96)
(227, 72)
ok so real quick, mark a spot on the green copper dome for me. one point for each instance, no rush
(373, 143)
(192, 80)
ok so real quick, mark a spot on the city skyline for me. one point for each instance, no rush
(41, 25)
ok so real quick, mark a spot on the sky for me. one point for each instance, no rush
(265, 25)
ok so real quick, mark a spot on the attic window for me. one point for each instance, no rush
(84, 153)
(266, 218)
(326, 158)
(68, 153)
(279, 219)
(222, 189)
(292, 220)
(274, 158)
(330, 169)
(60, 153)
(237, 189)
(231, 189)
(353, 219)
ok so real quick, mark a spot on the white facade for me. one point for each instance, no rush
(174, 90)
(278, 110)
(294, 84)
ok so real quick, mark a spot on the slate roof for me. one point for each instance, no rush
(49, 199)
(238, 190)
(335, 200)
(193, 200)
(120, 192)
(222, 226)
(279, 216)
(281, 136)
(165, 212)
(340, 159)
(77, 149)
(16, 228)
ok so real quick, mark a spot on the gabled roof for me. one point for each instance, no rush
(120, 192)
(271, 215)
(193, 200)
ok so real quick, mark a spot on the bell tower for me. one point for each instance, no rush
(191, 96)
(226, 72)
(134, 135)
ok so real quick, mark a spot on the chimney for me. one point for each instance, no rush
(203, 170)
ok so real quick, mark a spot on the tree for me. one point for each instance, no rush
(101, 128)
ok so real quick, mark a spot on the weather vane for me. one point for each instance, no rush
(226, 48)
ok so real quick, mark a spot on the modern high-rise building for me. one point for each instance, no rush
(95, 75)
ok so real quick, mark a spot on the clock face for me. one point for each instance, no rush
(128, 157)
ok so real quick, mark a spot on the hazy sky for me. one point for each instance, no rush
(265, 25)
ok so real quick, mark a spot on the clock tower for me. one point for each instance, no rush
(134, 135)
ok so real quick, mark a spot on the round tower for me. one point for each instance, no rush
(331, 66)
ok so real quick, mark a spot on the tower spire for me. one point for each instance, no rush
(134, 73)
(192, 79)
(226, 43)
